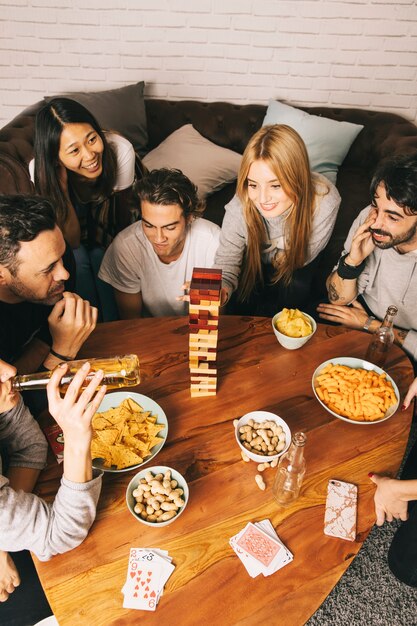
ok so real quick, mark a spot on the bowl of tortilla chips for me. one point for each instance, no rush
(129, 429)
(293, 328)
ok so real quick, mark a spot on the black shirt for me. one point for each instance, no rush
(22, 321)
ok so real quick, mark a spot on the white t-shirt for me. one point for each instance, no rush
(131, 265)
(125, 157)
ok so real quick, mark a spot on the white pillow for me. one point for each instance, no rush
(206, 164)
(327, 141)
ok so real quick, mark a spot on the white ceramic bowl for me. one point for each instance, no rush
(262, 416)
(292, 343)
(155, 469)
(112, 400)
(366, 365)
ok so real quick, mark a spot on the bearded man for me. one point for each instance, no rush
(379, 263)
(41, 322)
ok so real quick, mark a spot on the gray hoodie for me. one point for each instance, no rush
(390, 278)
(26, 521)
(234, 235)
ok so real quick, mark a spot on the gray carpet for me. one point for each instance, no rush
(368, 594)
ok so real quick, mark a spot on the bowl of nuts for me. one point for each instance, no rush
(262, 436)
(157, 496)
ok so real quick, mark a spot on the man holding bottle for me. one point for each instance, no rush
(41, 323)
(379, 261)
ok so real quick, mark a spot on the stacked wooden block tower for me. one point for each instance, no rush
(204, 320)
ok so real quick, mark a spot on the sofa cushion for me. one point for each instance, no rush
(120, 109)
(206, 164)
(327, 141)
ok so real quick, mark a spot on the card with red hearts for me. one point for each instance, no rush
(147, 573)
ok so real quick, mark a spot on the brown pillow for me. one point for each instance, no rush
(206, 164)
(120, 109)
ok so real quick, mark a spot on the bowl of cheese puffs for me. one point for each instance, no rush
(293, 328)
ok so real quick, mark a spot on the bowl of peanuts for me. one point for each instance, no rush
(355, 391)
(262, 436)
(157, 496)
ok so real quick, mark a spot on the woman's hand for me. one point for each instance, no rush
(9, 576)
(389, 503)
(411, 393)
(74, 412)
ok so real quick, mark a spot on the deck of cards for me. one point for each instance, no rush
(147, 573)
(260, 549)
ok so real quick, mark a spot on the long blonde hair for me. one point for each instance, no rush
(283, 150)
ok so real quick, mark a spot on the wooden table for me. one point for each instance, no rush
(209, 584)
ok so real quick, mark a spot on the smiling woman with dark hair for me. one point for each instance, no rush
(88, 175)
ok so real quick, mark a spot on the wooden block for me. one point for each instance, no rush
(203, 326)
(206, 272)
(199, 369)
(203, 340)
(200, 394)
(211, 308)
(208, 356)
(204, 385)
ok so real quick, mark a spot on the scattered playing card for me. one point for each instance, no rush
(260, 549)
(147, 573)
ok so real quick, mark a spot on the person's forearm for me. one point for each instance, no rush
(407, 489)
(341, 290)
(77, 462)
(33, 357)
(23, 478)
(399, 333)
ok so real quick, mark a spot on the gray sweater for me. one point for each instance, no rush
(234, 234)
(390, 278)
(26, 521)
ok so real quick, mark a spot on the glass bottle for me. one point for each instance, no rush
(290, 472)
(382, 339)
(119, 371)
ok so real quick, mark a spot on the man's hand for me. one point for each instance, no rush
(9, 576)
(388, 503)
(353, 316)
(71, 321)
(362, 243)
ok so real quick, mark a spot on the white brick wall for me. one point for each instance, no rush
(361, 53)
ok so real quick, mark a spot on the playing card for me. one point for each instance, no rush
(259, 545)
(285, 557)
(253, 565)
(143, 588)
(148, 571)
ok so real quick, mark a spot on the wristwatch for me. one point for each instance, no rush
(368, 322)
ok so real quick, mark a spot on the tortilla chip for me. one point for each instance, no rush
(125, 435)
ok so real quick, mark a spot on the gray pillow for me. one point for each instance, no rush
(120, 109)
(206, 164)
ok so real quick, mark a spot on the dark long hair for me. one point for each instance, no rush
(49, 123)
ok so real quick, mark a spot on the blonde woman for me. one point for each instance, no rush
(274, 228)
